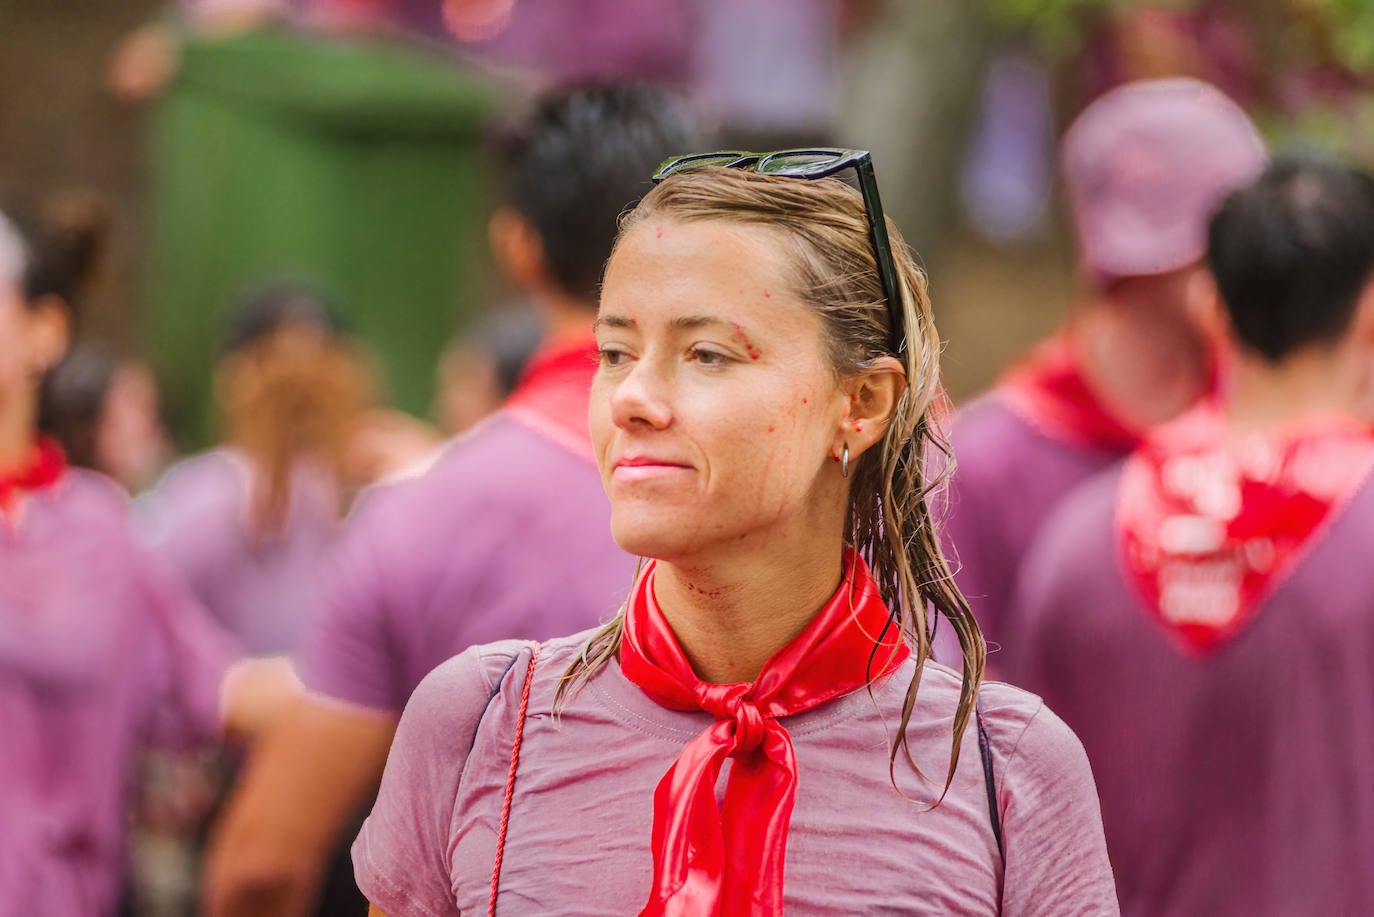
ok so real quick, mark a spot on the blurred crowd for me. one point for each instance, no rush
(345, 438)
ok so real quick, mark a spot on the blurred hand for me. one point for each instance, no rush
(255, 692)
(143, 63)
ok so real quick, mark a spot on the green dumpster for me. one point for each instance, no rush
(353, 165)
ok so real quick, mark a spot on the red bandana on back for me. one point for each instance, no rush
(554, 393)
(727, 859)
(1210, 524)
(43, 469)
(1049, 390)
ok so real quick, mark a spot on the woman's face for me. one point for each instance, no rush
(715, 413)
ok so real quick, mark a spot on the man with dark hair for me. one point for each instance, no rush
(1202, 617)
(1291, 256)
(506, 535)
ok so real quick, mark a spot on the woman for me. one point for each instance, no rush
(98, 649)
(106, 414)
(248, 525)
(760, 423)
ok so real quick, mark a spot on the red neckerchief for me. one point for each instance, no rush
(44, 467)
(1210, 524)
(554, 393)
(728, 859)
(1048, 390)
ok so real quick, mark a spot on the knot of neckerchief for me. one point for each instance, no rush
(726, 858)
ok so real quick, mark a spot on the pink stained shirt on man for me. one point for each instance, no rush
(100, 651)
(1020, 449)
(1235, 767)
(579, 835)
(506, 535)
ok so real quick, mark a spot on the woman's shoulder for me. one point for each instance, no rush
(462, 686)
(447, 708)
(1018, 723)
(212, 482)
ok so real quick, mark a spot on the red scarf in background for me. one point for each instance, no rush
(554, 393)
(1049, 390)
(1210, 524)
(43, 468)
(727, 859)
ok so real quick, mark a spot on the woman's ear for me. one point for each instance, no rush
(48, 332)
(518, 249)
(873, 398)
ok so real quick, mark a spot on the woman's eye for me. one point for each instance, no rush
(707, 357)
(610, 356)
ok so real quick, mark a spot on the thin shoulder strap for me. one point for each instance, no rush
(510, 781)
(989, 780)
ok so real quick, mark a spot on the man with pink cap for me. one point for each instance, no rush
(1201, 615)
(1144, 166)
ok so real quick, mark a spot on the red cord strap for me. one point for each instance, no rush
(510, 781)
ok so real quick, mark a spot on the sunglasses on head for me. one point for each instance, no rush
(813, 164)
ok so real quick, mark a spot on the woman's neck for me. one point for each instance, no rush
(18, 420)
(733, 613)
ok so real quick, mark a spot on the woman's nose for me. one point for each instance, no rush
(641, 398)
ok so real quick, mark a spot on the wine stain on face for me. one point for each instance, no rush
(741, 338)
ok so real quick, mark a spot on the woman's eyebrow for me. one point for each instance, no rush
(696, 321)
(613, 321)
(682, 322)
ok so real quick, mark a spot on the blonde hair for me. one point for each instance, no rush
(890, 523)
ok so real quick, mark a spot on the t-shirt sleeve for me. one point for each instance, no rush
(400, 859)
(350, 655)
(1056, 855)
(191, 653)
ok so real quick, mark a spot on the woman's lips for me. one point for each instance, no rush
(643, 468)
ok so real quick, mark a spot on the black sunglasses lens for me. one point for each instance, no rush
(802, 163)
(699, 161)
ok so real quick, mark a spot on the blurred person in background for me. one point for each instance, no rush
(506, 535)
(100, 649)
(105, 413)
(248, 525)
(1201, 616)
(1143, 166)
(479, 370)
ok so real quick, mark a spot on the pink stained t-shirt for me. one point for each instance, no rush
(101, 650)
(578, 841)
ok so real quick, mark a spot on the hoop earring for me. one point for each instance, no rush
(844, 462)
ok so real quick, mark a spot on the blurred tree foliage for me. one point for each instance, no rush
(1311, 62)
(1060, 27)
(1344, 29)
(1351, 27)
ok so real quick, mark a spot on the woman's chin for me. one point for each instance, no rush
(654, 539)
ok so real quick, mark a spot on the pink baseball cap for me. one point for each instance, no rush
(1145, 165)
